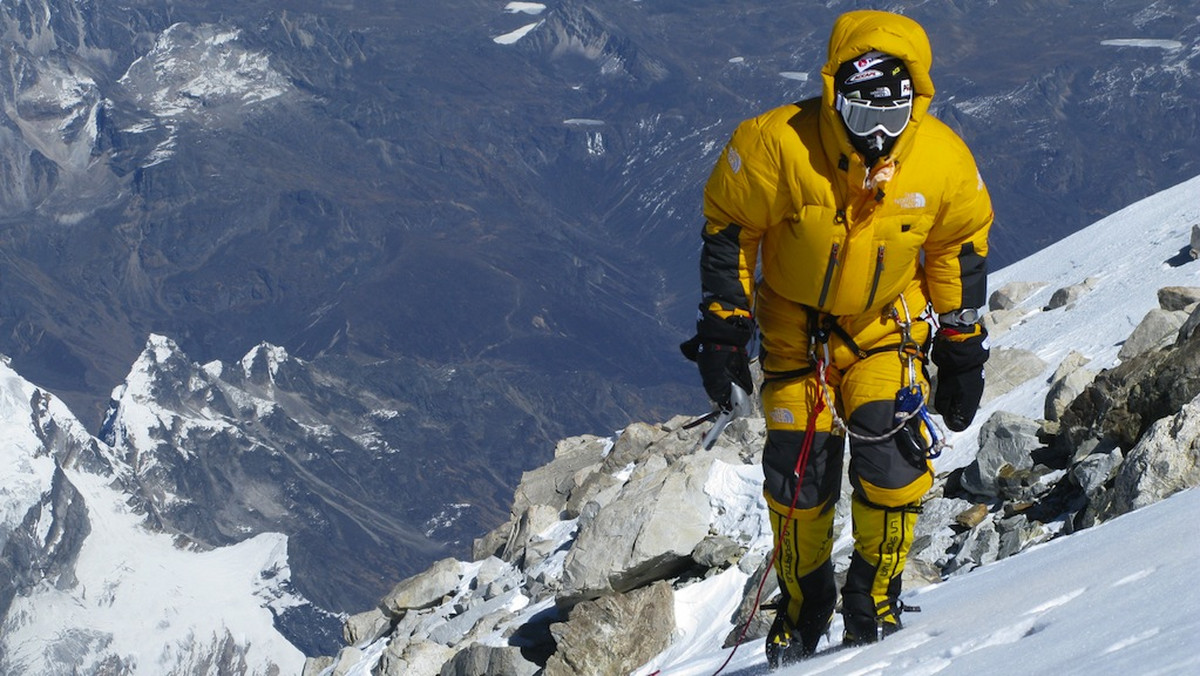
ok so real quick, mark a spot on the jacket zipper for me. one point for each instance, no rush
(833, 261)
(875, 281)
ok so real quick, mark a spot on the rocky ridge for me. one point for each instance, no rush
(582, 577)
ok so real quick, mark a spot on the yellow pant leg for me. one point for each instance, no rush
(803, 565)
(801, 498)
(889, 482)
(870, 597)
(788, 406)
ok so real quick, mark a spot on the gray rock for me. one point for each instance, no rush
(551, 483)
(717, 551)
(365, 627)
(420, 657)
(313, 666)
(1094, 471)
(1009, 367)
(347, 659)
(1178, 298)
(1012, 294)
(933, 536)
(391, 661)
(502, 584)
(1122, 402)
(1069, 294)
(633, 446)
(1070, 363)
(918, 573)
(493, 543)
(423, 590)
(1194, 250)
(1067, 383)
(1017, 534)
(1165, 461)
(418, 624)
(453, 630)
(998, 321)
(492, 569)
(753, 560)
(1157, 329)
(485, 660)
(979, 545)
(599, 486)
(1025, 484)
(648, 533)
(614, 634)
(1188, 329)
(522, 545)
(1005, 439)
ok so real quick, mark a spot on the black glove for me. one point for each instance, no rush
(719, 350)
(959, 353)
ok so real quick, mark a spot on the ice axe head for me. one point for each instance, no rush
(739, 407)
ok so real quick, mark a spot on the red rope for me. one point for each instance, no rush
(801, 465)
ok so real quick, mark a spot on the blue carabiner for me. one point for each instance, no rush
(935, 442)
(910, 403)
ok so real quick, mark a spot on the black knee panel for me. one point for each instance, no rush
(881, 463)
(822, 475)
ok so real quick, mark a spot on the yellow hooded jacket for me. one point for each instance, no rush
(835, 235)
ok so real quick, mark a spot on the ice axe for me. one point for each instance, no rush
(739, 407)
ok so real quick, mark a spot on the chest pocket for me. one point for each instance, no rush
(802, 258)
(897, 241)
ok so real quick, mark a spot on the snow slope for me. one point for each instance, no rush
(1117, 598)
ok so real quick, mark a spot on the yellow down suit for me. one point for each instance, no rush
(810, 242)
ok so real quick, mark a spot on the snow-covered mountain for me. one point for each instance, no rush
(604, 522)
(89, 585)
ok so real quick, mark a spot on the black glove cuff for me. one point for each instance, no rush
(959, 356)
(733, 331)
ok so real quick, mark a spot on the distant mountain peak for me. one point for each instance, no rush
(265, 359)
(198, 70)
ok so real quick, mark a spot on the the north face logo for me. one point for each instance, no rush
(911, 200)
(734, 159)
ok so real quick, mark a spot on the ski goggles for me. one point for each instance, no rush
(863, 118)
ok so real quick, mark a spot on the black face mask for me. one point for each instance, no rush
(872, 147)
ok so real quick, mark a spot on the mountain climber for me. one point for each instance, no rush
(845, 229)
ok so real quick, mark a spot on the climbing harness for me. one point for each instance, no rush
(912, 422)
